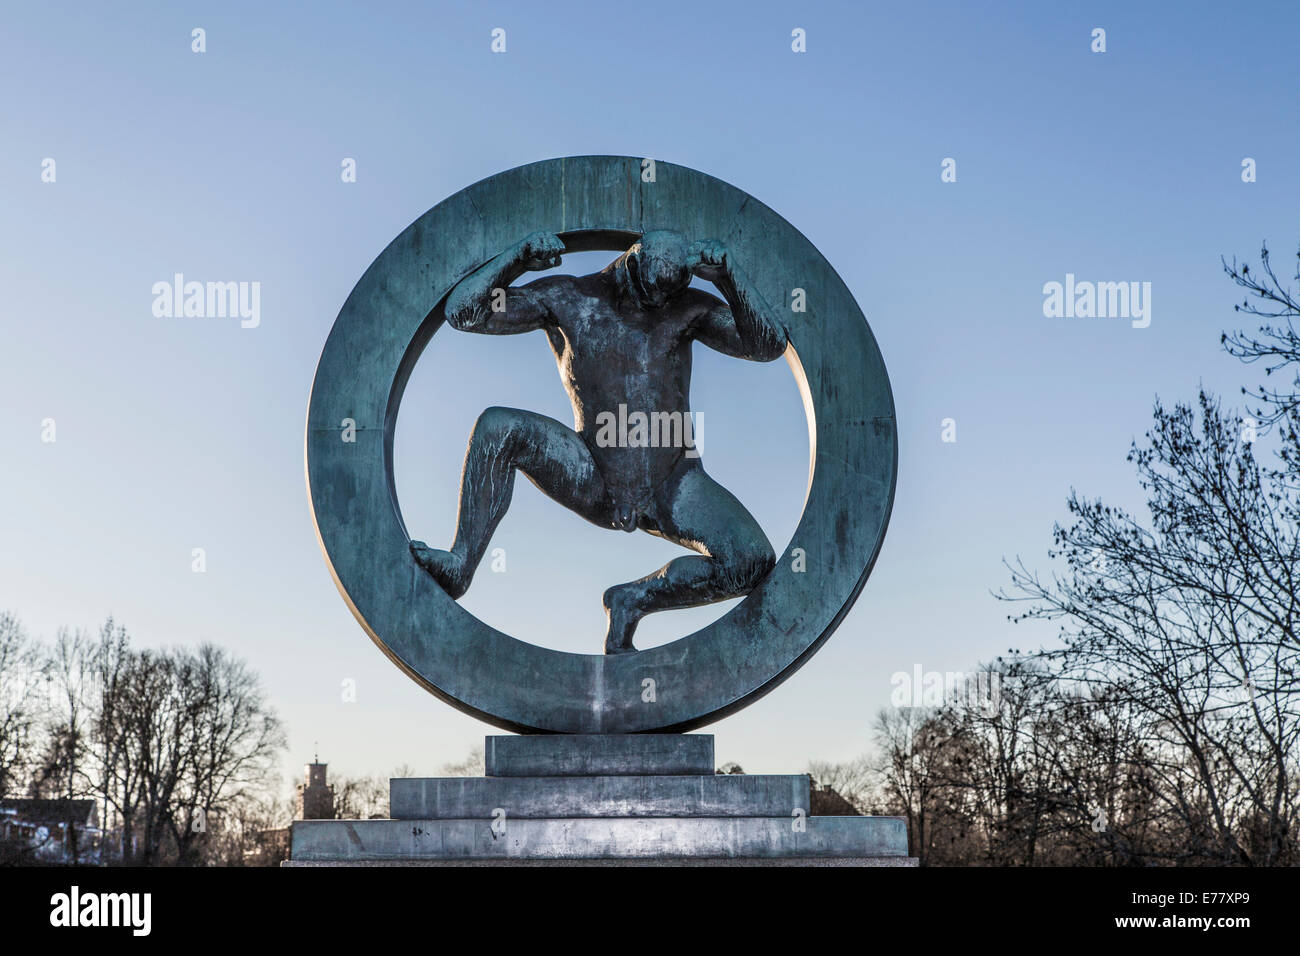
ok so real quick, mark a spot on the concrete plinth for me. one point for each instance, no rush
(817, 861)
(597, 839)
(589, 755)
(525, 798)
(610, 801)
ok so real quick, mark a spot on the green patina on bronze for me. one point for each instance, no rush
(593, 203)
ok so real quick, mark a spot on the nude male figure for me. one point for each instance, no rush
(620, 336)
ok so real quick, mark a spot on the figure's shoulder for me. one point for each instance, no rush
(697, 303)
(595, 285)
(551, 284)
(701, 298)
(554, 293)
(587, 295)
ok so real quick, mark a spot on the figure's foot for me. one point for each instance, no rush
(448, 569)
(622, 623)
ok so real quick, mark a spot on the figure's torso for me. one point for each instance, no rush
(612, 353)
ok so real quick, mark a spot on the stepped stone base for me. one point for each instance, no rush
(637, 800)
(541, 798)
(906, 861)
(590, 755)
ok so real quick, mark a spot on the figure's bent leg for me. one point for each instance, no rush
(504, 440)
(697, 513)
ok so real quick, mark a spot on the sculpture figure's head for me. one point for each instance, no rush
(656, 267)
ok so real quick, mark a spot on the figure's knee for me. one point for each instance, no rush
(624, 597)
(761, 564)
(746, 567)
(495, 429)
(496, 420)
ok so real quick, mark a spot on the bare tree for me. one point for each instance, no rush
(20, 701)
(1193, 618)
(909, 745)
(155, 721)
(979, 777)
(1190, 615)
(62, 770)
(185, 737)
(231, 739)
(471, 766)
(851, 779)
(119, 770)
(361, 798)
(1276, 343)
(251, 832)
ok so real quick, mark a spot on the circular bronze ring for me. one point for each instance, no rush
(598, 202)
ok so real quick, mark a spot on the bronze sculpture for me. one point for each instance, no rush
(398, 308)
(622, 339)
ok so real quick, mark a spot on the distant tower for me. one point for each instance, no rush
(315, 797)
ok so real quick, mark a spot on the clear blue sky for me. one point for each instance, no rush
(179, 433)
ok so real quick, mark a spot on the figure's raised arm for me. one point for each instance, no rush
(745, 327)
(484, 301)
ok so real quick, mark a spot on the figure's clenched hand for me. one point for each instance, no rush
(539, 251)
(707, 258)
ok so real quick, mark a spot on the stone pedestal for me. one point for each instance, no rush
(641, 799)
